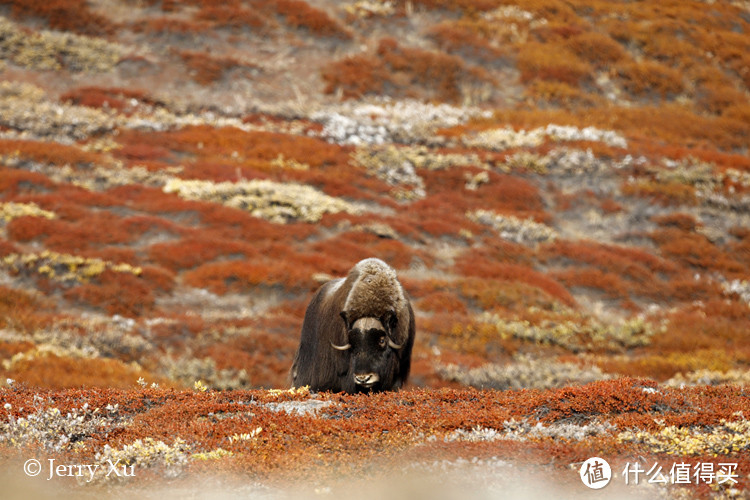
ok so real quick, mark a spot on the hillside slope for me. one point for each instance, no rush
(563, 188)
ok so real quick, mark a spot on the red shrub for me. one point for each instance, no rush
(551, 62)
(169, 25)
(57, 372)
(63, 15)
(596, 48)
(215, 143)
(355, 76)
(609, 283)
(23, 312)
(207, 69)
(650, 78)
(681, 221)
(463, 41)
(107, 97)
(142, 152)
(695, 250)
(299, 14)
(224, 277)
(25, 229)
(157, 278)
(473, 263)
(6, 247)
(400, 70)
(115, 293)
(232, 16)
(49, 152)
(194, 251)
(15, 182)
(442, 302)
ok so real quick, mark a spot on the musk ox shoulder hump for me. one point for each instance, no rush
(375, 289)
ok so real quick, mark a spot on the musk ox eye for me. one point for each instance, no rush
(382, 342)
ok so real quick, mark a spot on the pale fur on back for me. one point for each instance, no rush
(374, 291)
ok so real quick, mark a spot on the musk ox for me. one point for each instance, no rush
(358, 333)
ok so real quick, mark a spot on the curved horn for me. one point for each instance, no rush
(394, 345)
(340, 347)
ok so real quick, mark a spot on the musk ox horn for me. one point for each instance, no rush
(341, 347)
(394, 345)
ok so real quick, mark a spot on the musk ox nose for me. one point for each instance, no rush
(366, 379)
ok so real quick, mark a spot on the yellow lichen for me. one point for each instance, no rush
(10, 211)
(64, 267)
(274, 201)
(727, 438)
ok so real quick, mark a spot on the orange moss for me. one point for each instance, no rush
(397, 70)
(497, 295)
(596, 48)
(713, 325)
(473, 263)
(215, 144)
(650, 78)
(633, 262)
(56, 372)
(228, 14)
(538, 61)
(224, 277)
(695, 250)
(355, 76)
(663, 366)
(206, 69)
(16, 182)
(299, 14)
(467, 6)
(450, 199)
(63, 15)
(356, 431)
(625, 272)
(265, 357)
(193, 251)
(115, 293)
(672, 123)
(106, 97)
(665, 193)
(443, 302)
(560, 93)
(609, 283)
(610, 206)
(49, 152)
(23, 312)
(171, 25)
(349, 248)
(9, 349)
(7, 248)
(99, 228)
(681, 221)
(462, 40)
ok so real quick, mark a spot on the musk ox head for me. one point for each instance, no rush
(371, 349)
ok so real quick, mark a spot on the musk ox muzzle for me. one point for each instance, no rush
(357, 334)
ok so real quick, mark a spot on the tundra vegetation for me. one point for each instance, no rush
(562, 187)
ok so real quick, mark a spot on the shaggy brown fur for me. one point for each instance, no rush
(371, 290)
